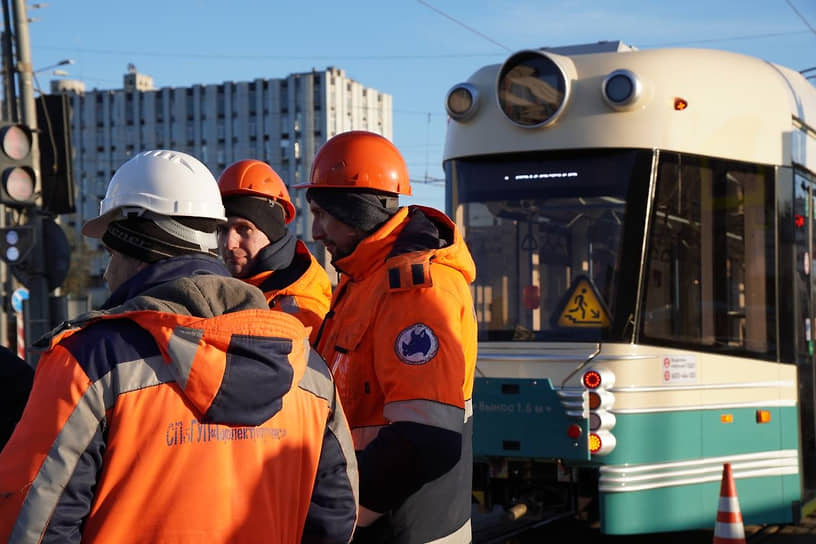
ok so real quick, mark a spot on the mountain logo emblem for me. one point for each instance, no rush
(416, 345)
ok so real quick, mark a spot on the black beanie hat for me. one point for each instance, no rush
(265, 213)
(365, 210)
(143, 239)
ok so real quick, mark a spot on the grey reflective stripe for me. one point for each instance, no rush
(461, 536)
(339, 428)
(428, 412)
(73, 440)
(316, 377)
(364, 435)
(317, 380)
(468, 409)
(182, 348)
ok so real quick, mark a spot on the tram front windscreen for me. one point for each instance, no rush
(556, 238)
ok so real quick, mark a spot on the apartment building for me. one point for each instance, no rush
(282, 121)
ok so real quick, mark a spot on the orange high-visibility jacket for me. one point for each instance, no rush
(400, 339)
(306, 295)
(190, 413)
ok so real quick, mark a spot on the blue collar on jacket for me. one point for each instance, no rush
(164, 271)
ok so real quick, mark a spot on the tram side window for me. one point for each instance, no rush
(711, 257)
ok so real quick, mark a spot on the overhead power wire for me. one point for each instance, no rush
(221, 56)
(460, 23)
(796, 11)
(725, 39)
(339, 58)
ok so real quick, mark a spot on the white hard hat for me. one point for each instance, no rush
(167, 183)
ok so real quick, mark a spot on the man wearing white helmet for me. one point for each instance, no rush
(183, 410)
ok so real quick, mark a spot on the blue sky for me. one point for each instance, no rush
(414, 50)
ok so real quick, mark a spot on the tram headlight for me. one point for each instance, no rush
(533, 87)
(462, 101)
(621, 89)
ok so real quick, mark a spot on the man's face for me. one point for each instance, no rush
(239, 242)
(120, 269)
(340, 239)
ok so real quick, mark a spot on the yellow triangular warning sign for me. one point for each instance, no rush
(583, 307)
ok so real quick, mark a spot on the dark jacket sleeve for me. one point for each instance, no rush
(404, 457)
(333, 509)
(16, 377)
(75, 502)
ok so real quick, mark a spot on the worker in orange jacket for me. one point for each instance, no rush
(257, 247)
(184, 410)
(400, 338)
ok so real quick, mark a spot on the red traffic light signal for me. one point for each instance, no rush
(18, 184)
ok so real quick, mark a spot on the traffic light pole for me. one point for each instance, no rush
(9, 114)
(39, 320)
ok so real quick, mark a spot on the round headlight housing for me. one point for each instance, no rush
(621, 89)
(462, 101)
(532, 89)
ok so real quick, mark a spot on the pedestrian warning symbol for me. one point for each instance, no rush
(583, 306)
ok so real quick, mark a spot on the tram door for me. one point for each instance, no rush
(804, 223)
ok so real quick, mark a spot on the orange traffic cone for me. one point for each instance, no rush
(728, 529)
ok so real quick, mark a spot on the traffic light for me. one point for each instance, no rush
(16, 243)
(18, 185)
(56, 154)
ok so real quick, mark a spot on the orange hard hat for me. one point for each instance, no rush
(256, 178)
(359, 160)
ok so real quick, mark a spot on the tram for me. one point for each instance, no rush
(643, 229)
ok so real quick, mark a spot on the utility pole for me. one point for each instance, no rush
(9, 89)
(9, 114)
(38, 322)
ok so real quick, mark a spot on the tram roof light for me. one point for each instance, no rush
(621, 89)
(680, 104)
(533, 87)
(462, 101)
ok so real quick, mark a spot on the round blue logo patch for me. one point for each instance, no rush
(416, 345)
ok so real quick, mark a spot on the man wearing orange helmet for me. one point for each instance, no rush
(257, 247)
(400, 338)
